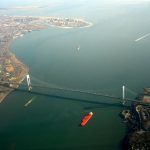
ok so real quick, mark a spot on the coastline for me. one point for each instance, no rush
(12, 70)
(19, 79)
(69, 27)
(62, 27)
(137, 118)
(4, 94)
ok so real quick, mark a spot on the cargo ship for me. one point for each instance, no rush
(86, 119)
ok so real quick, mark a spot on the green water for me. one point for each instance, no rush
(107, 59)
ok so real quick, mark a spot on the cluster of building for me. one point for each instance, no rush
(11, 70)
(67, 22)
(12, 27)
(138, 120)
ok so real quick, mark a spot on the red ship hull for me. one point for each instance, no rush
(86, 119)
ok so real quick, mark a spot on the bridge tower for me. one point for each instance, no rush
(28, 82)
(123, 95)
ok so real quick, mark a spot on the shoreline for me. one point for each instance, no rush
(4, 95)
(12, 70)
(63, 27)
(20, 78)
(137, 118)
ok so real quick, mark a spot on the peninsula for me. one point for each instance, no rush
(13, 71)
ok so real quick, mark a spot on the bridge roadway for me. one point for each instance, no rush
(5, 84)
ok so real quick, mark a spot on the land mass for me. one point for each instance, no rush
(138, 120)
(13, 71)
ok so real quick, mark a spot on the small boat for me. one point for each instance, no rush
(78, 48)
(29, 102)
(86, 119)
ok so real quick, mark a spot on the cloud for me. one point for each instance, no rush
(130, 2)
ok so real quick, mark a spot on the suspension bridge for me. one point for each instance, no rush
(30, 88)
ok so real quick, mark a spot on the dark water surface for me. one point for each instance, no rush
(108, 58)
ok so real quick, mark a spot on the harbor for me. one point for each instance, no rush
(74, 71)
(13, 70)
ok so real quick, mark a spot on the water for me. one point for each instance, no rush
(108, 58)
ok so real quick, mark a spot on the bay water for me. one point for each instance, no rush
(109, 57)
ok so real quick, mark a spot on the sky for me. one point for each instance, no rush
(13, 3)
(130, 1)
